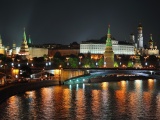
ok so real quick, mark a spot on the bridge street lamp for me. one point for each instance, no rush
(18, 63)
(80, 57)
(145, 60)
(67, 58)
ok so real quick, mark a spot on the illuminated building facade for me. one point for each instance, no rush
(98, 47)
(152, 49)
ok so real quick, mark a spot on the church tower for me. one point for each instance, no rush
(24, 47)
(140, 37)
(109, 54)
(132, 38)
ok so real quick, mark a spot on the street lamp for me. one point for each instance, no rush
(96, 61)
(145, 60)
(18, 63)
(12, 64)
(80, 57)
(67, 58)
(105, 59)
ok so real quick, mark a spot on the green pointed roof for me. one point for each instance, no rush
(151, 40)
(109, 29)
(0, 40)
(108, 41)
(29, 40)
(24, 35)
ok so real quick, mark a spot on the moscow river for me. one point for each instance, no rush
(124, 100)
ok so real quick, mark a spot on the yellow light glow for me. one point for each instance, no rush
(15, 71)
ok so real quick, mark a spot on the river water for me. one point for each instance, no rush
(124, 100)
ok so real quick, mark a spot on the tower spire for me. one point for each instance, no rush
(151, 37)
(24, 35)
(0, 39)
(108, 41)
(29, 40)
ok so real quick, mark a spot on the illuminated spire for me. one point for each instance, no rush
(29, 40)
(0, 39)
(151, 37)
(24, 36)
(108, 41)
(109, 32)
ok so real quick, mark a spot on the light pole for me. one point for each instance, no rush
(80, 57)
(67, 58)
(18, 62)
(145, 60)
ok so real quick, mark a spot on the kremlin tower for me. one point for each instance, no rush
(109, 54)
(24, 47)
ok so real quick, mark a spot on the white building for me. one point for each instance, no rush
(93, 47)
(152, 49)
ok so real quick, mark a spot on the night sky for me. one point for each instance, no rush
(67, 21)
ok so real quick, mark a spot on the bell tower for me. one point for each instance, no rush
(140, 37)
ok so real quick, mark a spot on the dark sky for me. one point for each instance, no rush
(66, 21)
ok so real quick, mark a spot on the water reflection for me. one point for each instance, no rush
(108, 100)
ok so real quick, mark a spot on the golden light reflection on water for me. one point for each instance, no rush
(47, 94)
(105, 86)
(96, 102)
(158, 104)
(80, 104)
(150, 84)
(13, 105)
(67, 99)
(120, 96)
(30, 94)
(124, 99)
(138, 85)
(123, 84)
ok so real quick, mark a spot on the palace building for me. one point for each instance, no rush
(132, 47)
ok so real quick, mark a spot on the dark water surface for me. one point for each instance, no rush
(125, 100)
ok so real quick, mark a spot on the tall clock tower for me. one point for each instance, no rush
(109, 54)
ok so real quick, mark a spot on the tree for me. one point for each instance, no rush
(57, 55)
(73, 62)
(130, 64)
(116, 64)
(101, 62)
(26, 71)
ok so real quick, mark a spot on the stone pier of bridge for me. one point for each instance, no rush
(60, 74)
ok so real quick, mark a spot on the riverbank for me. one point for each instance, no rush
(15, 88)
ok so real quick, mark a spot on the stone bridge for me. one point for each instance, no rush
(99, 72)
(82, 75)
